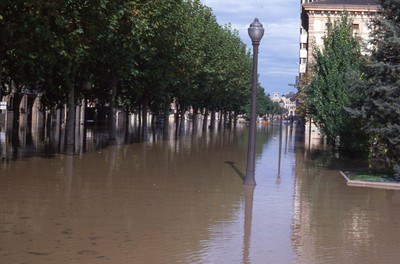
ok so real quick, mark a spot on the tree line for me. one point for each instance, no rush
(355, 99)
(128, 54)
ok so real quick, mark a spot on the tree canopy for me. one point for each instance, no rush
(131, 52)
(379, 104)
(329, 92)
(136, 55)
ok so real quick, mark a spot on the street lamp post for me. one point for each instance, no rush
(281, 105)
(256, 32)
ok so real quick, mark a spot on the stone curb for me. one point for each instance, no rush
(380, 185)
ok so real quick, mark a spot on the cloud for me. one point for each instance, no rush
(230, 6)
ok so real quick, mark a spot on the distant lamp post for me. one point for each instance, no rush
(281, 106)
(256, 32)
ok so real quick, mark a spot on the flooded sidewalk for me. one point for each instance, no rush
(181, 200)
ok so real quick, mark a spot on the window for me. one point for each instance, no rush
(303, 60)
(303, 45)
(356, 27)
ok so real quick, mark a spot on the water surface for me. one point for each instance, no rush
(181, 200)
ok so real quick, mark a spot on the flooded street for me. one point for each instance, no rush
(182, 201)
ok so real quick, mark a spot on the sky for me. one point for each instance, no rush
(278, 60)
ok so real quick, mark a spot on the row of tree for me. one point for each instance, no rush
(130, 54)
(355, 99)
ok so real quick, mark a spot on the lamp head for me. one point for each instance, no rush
(256, 31)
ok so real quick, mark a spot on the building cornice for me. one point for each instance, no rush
(310, 9)
(340, 8)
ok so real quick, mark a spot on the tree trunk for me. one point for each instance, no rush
(212, 122)
(153, 120)
(235, 116)
(71, 118)
(15, 142)
(176, 120)
(112, 135)
(126, 124)
(83, 125)
(182, 123)
(205, 119)
(166, 117)
(145, 105)
(16, 102)
(225, 118)
(63, 128)
(140, 116)
(127, 118)
(195, 120)
(1, 90)
(166, 121)
(219, 119)
(230, 119)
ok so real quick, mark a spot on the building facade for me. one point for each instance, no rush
(289, 100)
(315, 15)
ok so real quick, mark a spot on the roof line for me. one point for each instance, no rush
(341, 7)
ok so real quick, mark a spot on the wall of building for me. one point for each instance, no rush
(314, 29)
(317, 28)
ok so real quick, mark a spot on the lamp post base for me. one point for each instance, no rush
(250, 180)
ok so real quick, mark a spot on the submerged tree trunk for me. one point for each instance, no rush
(126, 121)
(235, 117)
(230, 119)
(15, 142)
(219, 119)
(127, 118)
(205, 119)
(145, 105)
(153, 120)
(212, 121)
(71, 118)
(166, 121)
(140, 116)
(16, 102)
(225, 118)
(112, 134)
(195, 118)
(83, 127)
(176, 120)
(182, 123)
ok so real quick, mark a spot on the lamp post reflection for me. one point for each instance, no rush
(278, 178)
(248, 218)
(286, 137)
(281, 105)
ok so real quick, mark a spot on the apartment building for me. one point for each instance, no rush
(315, 14)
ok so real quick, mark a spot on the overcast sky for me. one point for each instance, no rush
(279, 48)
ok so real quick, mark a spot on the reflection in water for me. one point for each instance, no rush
(182, 200)
(248, 216)
(333, 223)
(278, 177)
(150, 202)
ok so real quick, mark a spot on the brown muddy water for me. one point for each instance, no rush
(182, 200)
